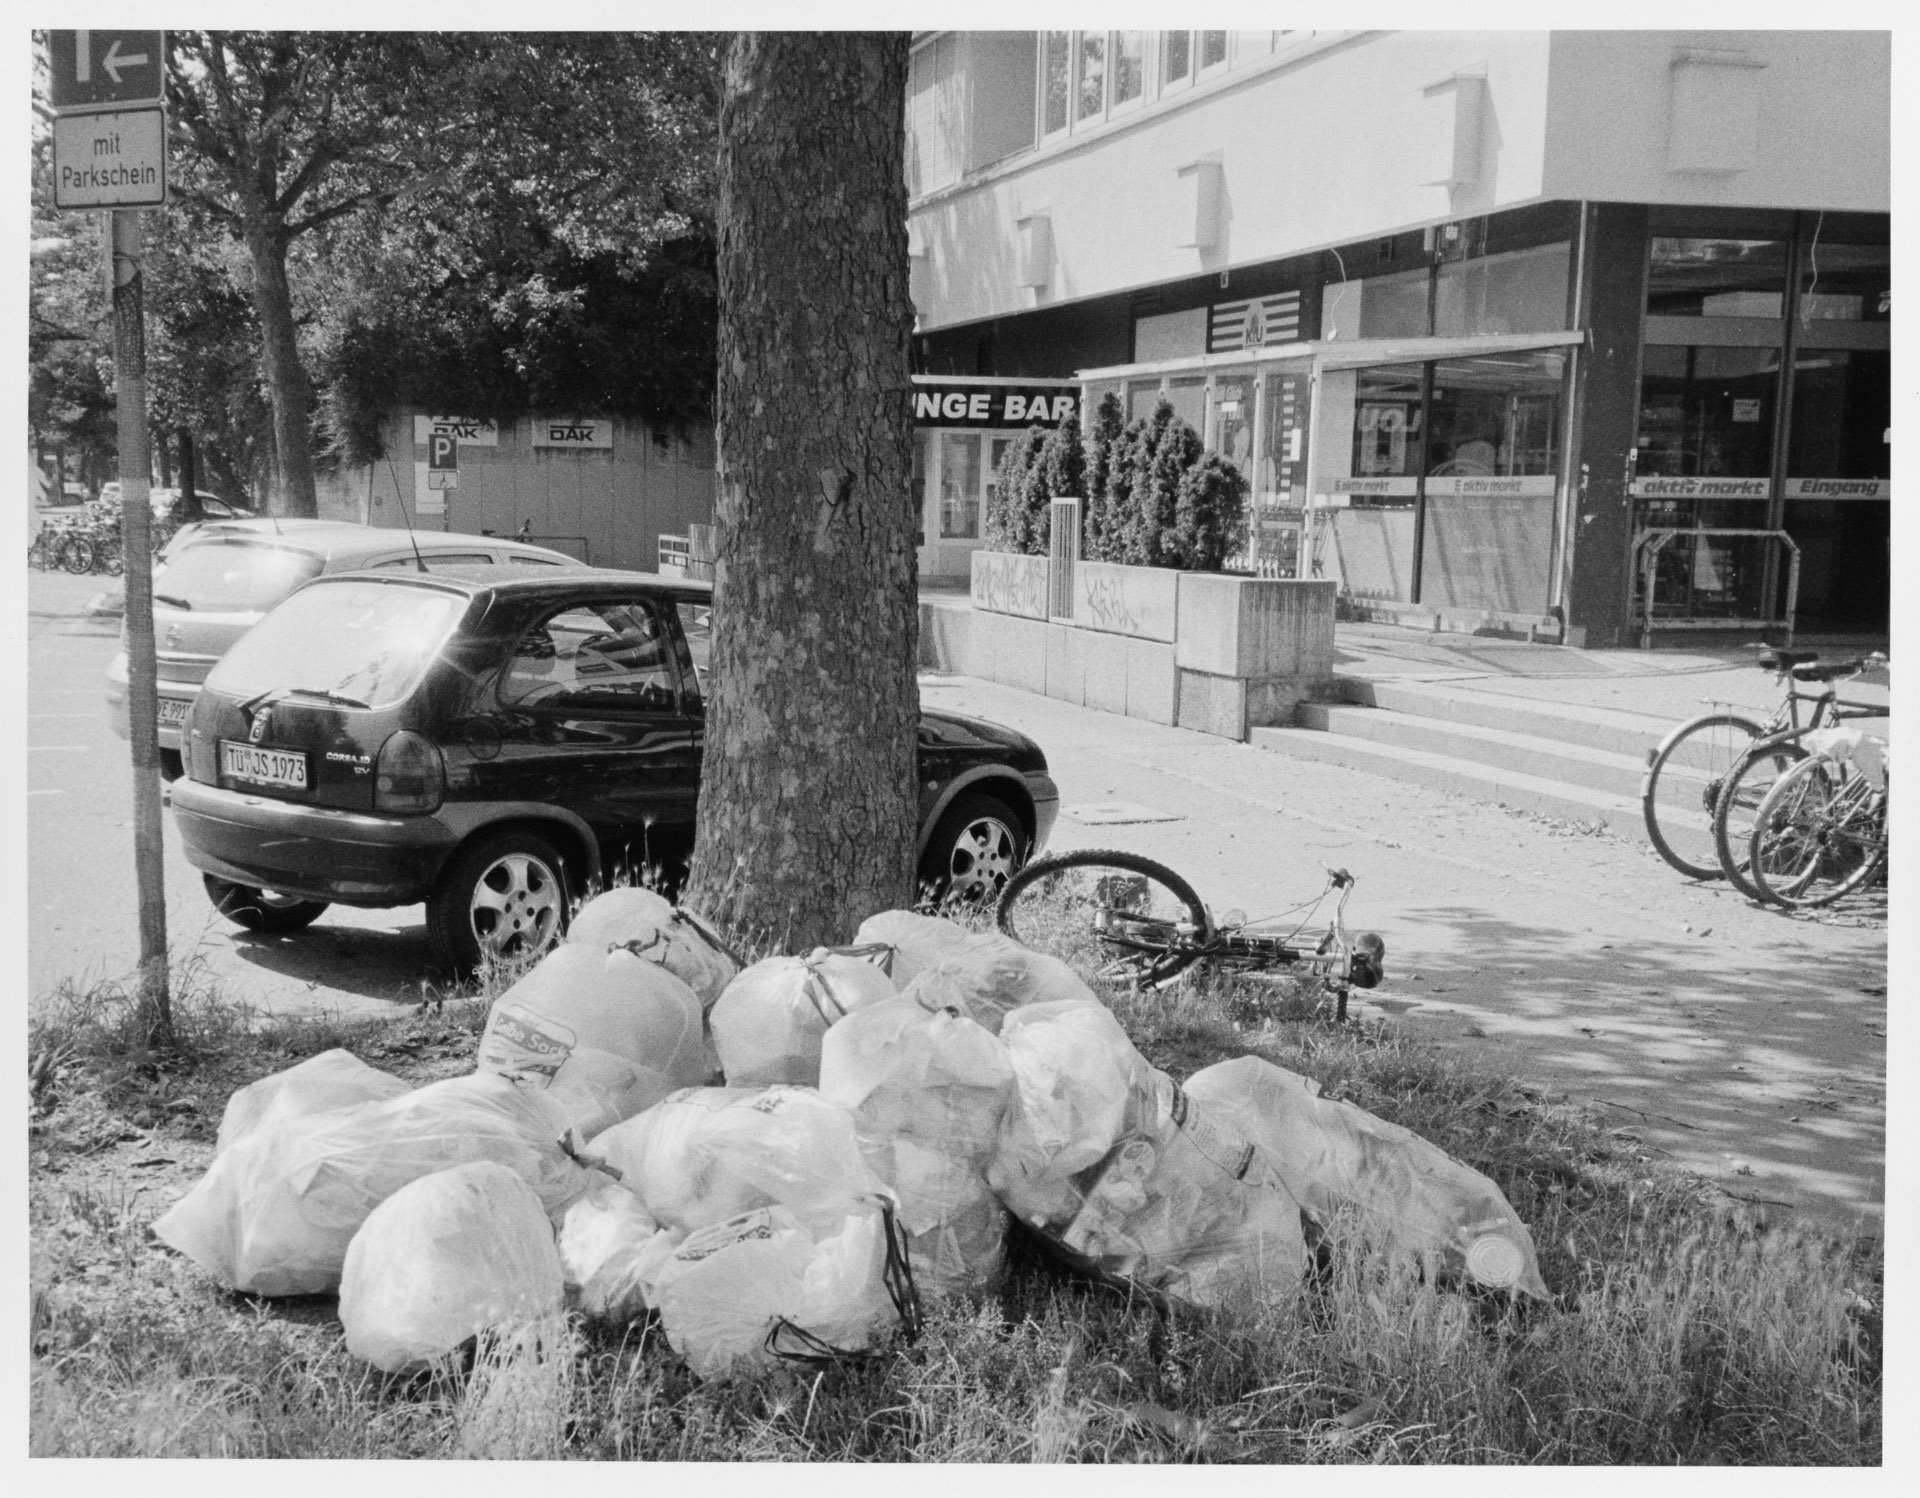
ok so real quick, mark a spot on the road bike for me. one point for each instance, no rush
(1122, 916)
(1687, 772)
(1821, 830)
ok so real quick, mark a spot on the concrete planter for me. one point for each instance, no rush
(1006, 583)
(1206, 651)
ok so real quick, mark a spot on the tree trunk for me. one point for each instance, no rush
(287, 387)
(808, 793)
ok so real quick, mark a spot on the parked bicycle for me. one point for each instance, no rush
(1126, 917)
(1821, 830)
(65, 547)
(1692, 770)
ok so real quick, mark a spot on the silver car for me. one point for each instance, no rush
(224, 575)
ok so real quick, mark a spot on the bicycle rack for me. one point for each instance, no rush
(1648, 545)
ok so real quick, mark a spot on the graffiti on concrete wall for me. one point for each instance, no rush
(1008, 584)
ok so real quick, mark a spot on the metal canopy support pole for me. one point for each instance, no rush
(136, 531)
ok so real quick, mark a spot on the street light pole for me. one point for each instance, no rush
(136, 533)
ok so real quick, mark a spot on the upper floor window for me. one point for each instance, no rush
(1213, 49)
(1129, 67)
(1056, 79)
(1093, 75)
(1176, 56)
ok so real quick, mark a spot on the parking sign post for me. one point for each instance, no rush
(110, 152)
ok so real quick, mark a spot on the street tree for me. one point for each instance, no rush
(807, 804)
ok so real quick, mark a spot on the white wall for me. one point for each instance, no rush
(1338, 145)
(1824, 122)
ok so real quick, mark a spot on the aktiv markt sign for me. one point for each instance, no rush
(109, 133)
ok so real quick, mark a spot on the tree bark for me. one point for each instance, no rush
(807, 804)
(287, 388)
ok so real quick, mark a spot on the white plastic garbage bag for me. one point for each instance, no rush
(446, 1257)
(988, 975)
(918, 941)
(660, 933)
(1348, 1167)
(711, 1153)
(332, 1079)
(274, 1214)
(606, 1033)
(612, 1252)
(1119, 1169)
(927, 1090)
(767, 1025)
(1866, 752)
(764, 1285)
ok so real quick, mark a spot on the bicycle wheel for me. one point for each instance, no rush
(1739, 806)
(1682, 784)
(77, 555)
(1820, 833)
(1106, 914)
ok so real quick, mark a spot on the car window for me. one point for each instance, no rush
(593, 657)
(696, 623)
(528, 559)
(435, 559)
(369, 641)
(232, 577)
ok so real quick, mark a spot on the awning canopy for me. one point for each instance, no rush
(1329, 353)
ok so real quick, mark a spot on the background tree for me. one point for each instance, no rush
(807, 803)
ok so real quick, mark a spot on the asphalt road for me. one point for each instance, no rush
(1749, 1045)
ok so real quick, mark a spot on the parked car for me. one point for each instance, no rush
(500, 746)
(215, 585)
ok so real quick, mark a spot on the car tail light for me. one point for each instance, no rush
(409, 774)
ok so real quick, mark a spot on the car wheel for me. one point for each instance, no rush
(262, 909)
(502, 899)
(976, 846)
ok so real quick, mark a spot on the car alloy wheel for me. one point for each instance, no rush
(973, 852)
(515, 907)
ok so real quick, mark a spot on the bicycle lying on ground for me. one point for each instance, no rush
(1821, 830)
(1123, 916)
(1709, 773)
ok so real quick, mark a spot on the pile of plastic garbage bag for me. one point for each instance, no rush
(782, 1161)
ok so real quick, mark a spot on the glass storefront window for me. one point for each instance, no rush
(1189, 401)
(1838, 490)
(1283, 449)
(1717, 278)
(1392, 306)
(1842, 415)
(919, 481)
(996, 454)
(1232, 435)
(1707, 412)
(1845, 283)
(1142, 397)
(1521, 291)
(1386, 422)
(1493, 460)
(959, 486)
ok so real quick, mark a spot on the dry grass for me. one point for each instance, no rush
(1684, 1330)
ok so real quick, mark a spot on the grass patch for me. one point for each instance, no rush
(1685, 1329)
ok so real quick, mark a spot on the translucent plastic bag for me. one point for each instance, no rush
(765, 1285)
(1362, 1173)
(612, 1252)
(711, 1153)
(927, 1090)
(446, 1257)
(989, 975)
(332, 1079)
(607, 1033)
(767, 1025)
(1111, 1162)
(275, 1212)
(673, 938)
(918, 941)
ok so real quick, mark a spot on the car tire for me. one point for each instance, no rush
(977, 845)
(262, 910)
(503, 897)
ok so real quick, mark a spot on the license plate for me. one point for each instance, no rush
(173, 711)
(256, 766)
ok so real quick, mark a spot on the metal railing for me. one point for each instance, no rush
(1648, 545)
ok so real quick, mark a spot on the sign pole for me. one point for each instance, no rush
(136, 533)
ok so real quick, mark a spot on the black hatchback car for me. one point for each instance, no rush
(498, 743)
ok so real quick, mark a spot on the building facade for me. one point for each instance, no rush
(1562, 331)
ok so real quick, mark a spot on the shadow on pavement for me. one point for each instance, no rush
(396, 966)
(1764, 1070)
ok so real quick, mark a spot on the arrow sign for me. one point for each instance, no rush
(95, 70)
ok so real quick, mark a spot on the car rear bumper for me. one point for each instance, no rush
(314, 852)
(179, 692)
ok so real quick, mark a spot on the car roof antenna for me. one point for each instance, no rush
(418, 560)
